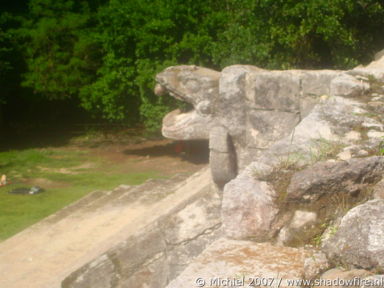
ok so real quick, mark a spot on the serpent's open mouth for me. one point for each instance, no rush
(185, 123)
(197, 87)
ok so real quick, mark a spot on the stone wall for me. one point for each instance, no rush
(160, 251)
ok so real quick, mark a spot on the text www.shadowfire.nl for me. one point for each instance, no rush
(280, 282)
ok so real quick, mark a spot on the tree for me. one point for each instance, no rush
(140, 38)
(105, 54)
(10, 61)
(60, 53)
(300, 34)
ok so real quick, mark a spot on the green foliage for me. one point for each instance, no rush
(284, 34)
(140, 38)
(9, 54)
(106, 53)
(5, 49)
(381, 147)
(323, 149)
(61, 53)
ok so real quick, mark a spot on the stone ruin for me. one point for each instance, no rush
(298, 158)
(297, 162)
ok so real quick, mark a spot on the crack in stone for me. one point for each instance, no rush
(205, 232)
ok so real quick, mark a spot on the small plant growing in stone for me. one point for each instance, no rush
(375, 84)
(319, 237)
(317, 240)
(340, 203)
(332, 230)
(323, 149)
(381, 147)
(290, 162)
(327, 230)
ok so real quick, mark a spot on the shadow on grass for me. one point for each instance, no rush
(35, 139)
(21, 137)
(195, 152)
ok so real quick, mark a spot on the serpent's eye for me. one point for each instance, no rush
(192, 85)
(204, 107)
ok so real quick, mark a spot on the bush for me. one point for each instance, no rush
(107, 54)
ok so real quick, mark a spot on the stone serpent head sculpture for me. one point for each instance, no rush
(199, 87)
(241, 110)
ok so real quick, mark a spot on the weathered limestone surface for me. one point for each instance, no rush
(340, 276)
(222, 153)
(374, 281)
(300, 222)
(335, 177)
(348, 86)
(338, 126)
(378, 62)
(157, 253)
(197, 86)
(315, 265)
(254, 107)
(359, 240)
(257, 107)
(232, 261)
(303, 141)
(321, 135)
(378, 190)
(327, 126)
(248, 209)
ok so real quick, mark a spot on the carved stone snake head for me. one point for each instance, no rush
(197, 86)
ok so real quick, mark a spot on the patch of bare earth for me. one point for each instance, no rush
(165, 156)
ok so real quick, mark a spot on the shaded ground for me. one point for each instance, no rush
(159, 155)
(126, 147)
(80, 165)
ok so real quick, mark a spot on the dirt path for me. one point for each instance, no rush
(167, 156)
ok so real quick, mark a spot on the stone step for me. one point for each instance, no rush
(96, 202)
(146, 193)
(70, 209)
(73, 219)
(233, 263)
(44, 254)
(107, 198)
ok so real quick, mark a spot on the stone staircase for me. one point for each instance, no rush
(43, 255)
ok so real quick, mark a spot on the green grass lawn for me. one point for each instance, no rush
(61, 174)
